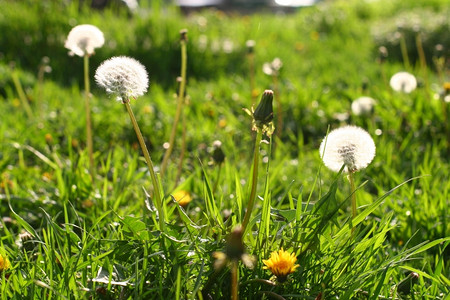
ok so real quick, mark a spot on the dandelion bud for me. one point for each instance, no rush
(234, 250)
(122, 76)
(183, 35)
(218, 154)
(83, 39)
(350, 146)
(382, 53)
(264, 111)
(250, 44)
(235, 246)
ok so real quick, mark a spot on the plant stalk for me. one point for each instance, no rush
(21, 93)
(352, 191)
(157, 193)
(404, 51)
(234, 280)
(252, 198)
(89, 141)
(179, 106)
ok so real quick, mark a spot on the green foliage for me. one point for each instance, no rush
(67, 236)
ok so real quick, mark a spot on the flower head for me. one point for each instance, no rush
(403, 82)
(363, 105)
(350, 146)
(123, 76)
(83, 39)
(4, 263)
(281, 263)
(182, 197)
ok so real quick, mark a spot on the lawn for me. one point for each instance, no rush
(226, 194)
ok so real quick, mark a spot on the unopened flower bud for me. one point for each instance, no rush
(264, 111)
(218, 154)
(250, 46)
(183, 35)
(234, 248)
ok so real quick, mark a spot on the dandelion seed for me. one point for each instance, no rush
(83, 39)
(281, 263)
(403, 82)
(122, 76)
(350, 146)
(363, 105)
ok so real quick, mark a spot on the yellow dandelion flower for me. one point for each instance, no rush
(182, 197)
(281, 263)
(447, 87)
(4, 263)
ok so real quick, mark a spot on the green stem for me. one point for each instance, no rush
(89, 141)
(276, 87)
(251, 63)
(251, 201)
(216, 183)
(404, 51)
(234, 280)
(157, 193)
(21, 93)
(179, 107)
(352, 191)
(183, 150)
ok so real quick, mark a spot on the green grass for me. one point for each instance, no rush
(99, 240)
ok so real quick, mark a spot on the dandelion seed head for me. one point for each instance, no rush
(122, 76)
(350, 146)
(403, 82)
(363, 105)
(83, 39)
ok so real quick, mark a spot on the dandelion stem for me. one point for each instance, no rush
(216, 183)
(234, 280)
(183, 150)
(179, 106)
(404, 51)
(352, 191)
(89, 141)
(21, 93)
(157, 193)
(251, 66)
(252, 198)
(276, 87)
(423, 61)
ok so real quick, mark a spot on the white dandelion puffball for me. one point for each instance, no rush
(122, 76)
(363, 105)
(350, 146)
(83, 39)
(403, 82)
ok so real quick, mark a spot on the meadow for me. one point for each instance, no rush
(225, 209)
